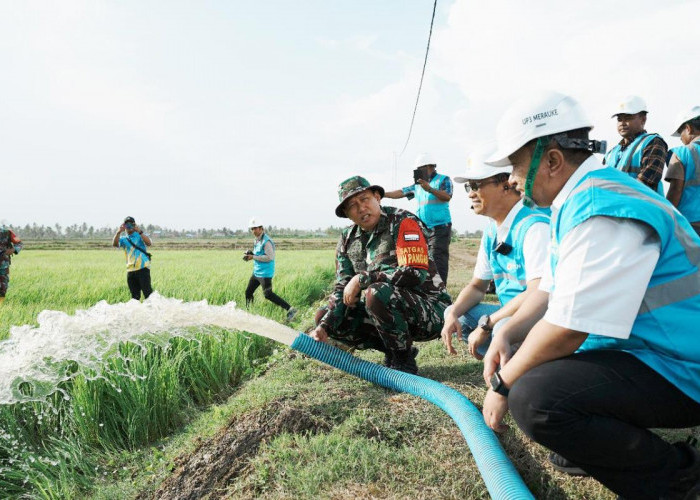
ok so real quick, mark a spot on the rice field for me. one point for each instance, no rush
(56, 448)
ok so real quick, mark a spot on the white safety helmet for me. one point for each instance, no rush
(631, 105)
(477, 169)
(545, 113)
(424, 159)
(685, 117)
(254, 222)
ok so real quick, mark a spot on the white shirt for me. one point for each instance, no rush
(604, 268)
(535, 248)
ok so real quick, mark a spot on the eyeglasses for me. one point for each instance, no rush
(475, 186)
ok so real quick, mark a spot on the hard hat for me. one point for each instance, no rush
(631, 105)
(424, 159)
(254, 222)
(477, 169)
(685, 117)
(545, 113)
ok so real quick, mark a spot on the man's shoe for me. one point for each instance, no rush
(685, 484)
(291, 312)
(405, 360)
(563, 465)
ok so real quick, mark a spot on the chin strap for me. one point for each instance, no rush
(528, 201)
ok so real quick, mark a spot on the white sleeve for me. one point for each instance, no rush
(536, 250)
(482, 268)
(603, 271)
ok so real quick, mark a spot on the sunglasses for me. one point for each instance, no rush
(475, 186)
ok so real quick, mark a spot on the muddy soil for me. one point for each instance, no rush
(217, 462)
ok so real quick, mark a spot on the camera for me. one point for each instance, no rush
(418, 174)
(248, 252)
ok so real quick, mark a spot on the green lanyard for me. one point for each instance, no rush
(528, 201)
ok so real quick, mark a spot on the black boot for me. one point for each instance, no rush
(405, 360)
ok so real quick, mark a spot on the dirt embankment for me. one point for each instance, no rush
(217, 462)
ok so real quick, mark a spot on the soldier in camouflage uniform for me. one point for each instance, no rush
(385, 254)
(9, 245)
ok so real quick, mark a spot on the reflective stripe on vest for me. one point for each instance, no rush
(431, 210)
(689, 156)
(263, 269)
(664, 334)
(509, 273)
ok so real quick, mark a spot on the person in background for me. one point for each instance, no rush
(683, 173)
(384, 254)
(10, 245)
(433, 193)
(611, 349)
(263, 257)
(513, 253)
(640, 154)
(134, 241)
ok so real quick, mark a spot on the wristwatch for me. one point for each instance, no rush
(484, 323)
(498, 386)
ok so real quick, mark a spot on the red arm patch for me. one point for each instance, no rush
(411, 247)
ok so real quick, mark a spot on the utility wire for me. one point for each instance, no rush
(420, 86)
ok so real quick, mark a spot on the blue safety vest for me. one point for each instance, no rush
(509, 270)
(690, 199)
(263, 269)
(431, 210)
(665, 333)
(630, 160)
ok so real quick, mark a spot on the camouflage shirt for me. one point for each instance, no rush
(395, 252)
(8, 240)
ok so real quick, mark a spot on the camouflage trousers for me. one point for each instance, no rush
(388, 318)
(4, 279)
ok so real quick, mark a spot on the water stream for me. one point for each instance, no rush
(33, 359)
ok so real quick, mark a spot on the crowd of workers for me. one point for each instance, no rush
(594, 340)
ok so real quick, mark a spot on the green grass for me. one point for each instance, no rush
(57, 448)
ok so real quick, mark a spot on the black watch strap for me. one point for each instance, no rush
(498, 386)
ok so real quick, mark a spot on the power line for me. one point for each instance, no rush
(420, 86)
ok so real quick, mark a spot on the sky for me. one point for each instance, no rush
(191, 114)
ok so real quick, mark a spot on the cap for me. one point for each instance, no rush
(254, 222)
(350, 187)
(631, 105)
(685, 117)
(477, 169)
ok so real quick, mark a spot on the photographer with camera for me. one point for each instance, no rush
(138, 260)
(263, 257)
(433, 193)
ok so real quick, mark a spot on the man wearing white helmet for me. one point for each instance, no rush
(613, 350)
(263, 257)
(513, 252)
(433, 193)
(639, 154)
(683, 172)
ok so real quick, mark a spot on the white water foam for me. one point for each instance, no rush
(36, 355)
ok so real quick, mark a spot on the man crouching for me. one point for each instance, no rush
(384, 253)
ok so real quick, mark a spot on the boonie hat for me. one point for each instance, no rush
(685, 117)
(352, 186)
(631, 105)
(478, 169)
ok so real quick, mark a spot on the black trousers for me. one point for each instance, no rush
(139, 281)
(596, 408)
(439, 243)
(266, 283)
